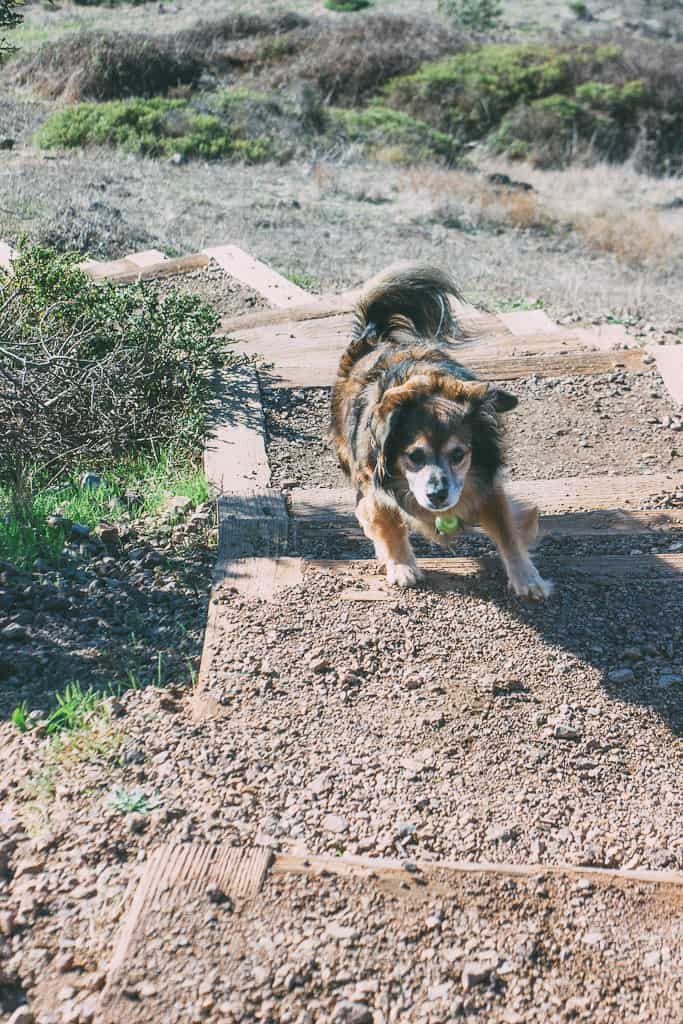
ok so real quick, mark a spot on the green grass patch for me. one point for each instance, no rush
(131, 801)
(25, 535)
(378, 127)
(154, 127)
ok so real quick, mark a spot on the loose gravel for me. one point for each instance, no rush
(226, 294)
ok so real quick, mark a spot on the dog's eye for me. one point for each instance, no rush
(417, 457)
(457, 455)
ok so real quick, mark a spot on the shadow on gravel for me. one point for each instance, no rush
(629, 627)
(107, 632)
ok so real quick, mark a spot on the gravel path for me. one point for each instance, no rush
(428, 948)
(452, 725)
(570, 427)
(226, 294)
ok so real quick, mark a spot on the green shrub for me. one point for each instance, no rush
(347, 6)
(619, 100)
(153, 127)
(107, 66)
(380, 127)
(477, 15)
(95, 372)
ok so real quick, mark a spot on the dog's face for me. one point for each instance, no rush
(426, 440)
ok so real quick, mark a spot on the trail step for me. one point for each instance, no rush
(235, 457)
(257, 275)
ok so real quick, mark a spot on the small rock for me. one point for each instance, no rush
(136, 823)
(14, 633)
(7, 923)
(475, 972)
(216, 895)
(348, 1012)
(90, 481)
(668, 679)
(6, 142)
(64, 962)
(562, 731)
(652, 959)
(179, 504)
(289, 484)
(79, 531)
(109, 535)
(22, 1015)
(132, 753)
(177, 159)
(334, 823)
(620, 675)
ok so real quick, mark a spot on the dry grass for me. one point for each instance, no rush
(614, 209)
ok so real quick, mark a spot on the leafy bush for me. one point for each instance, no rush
(92, 372)
(109, 66)
(379, 127)
(153, 127)
(347, 6)
(478, 15)
(613, 100)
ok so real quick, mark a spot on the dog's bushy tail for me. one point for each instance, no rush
(412, 297)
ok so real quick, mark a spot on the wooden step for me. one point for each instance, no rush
(599, 568)
(320, 369)
(235, 456)
(278, 290)
(565, 494)
(126, 272)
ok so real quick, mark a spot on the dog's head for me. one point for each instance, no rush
(430, 431)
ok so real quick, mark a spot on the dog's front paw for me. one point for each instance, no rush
(527, 582)
(403, 575)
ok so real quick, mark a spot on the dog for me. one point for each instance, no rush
(419, 436)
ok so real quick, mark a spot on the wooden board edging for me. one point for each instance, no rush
(235, 457)
(352, 863)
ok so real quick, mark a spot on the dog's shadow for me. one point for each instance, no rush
(630, 628)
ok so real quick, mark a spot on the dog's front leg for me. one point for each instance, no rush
(385, 527)
(512, 527)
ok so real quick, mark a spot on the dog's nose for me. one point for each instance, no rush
(438, 493)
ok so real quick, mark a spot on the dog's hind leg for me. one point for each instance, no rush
(513, 527)
(385, 527)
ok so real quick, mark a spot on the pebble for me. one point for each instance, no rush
(22, 1015)
(14, 633)
(562, 731)
(348, 1012)
(620, 675)
(335, 823)
(136, 822)
(475, 972)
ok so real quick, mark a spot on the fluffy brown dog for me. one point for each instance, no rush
(419, 436)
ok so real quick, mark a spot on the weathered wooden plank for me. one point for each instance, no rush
(597, 567)
(352, 864)
(563, 495)
(529, 321)
(7, 254)
(147, 258)
(99, 270)
(125, 272)
(316, 365)
(602, 523)
(670, 365)
(252, 524)
(259, 578)
(235, 457)
(257, 275)
(174, 876)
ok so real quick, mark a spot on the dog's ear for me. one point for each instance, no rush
(495, 398)
(381, 425)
